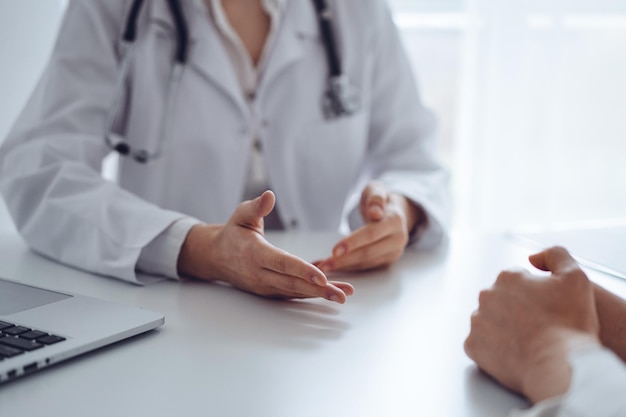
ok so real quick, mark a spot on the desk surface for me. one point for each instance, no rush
(395, 349)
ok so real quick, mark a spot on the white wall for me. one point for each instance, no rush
(27, 31)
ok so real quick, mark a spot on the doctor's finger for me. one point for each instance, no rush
(284, 263)
(380, 254)
(289, 285)
(346, 287)
(374, 199)
(348, 290)
(361, 237)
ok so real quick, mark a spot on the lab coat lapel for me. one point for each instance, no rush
(207, 54)
(299, 24)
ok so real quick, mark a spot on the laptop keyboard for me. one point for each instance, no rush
(15, 340)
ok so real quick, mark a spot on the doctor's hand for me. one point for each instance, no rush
(389, 219)
(526, 326)
(239, 254)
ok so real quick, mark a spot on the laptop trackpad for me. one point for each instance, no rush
(16, 297)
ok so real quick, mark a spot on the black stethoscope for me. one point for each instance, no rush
(340, 99)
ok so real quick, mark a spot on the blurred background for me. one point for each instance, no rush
(530, 95)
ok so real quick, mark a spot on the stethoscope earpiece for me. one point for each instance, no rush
(142, 156)
(122, 148)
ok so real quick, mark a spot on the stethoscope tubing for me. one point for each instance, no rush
(340, 99)
(182, 32)
(328, 37)
(120, 147)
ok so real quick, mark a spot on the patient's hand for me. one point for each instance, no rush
(612, 314)
(526, 326)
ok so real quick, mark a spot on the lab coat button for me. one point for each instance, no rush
(258, 146)
(294, 223)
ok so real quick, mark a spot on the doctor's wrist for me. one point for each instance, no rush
(414, 215)
(192, 259)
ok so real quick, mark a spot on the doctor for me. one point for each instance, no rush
(208, 104)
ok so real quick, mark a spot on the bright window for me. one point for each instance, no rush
(531, 97)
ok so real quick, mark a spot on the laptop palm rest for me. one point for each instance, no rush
(16, 297)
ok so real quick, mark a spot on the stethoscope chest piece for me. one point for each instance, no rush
(341, 98)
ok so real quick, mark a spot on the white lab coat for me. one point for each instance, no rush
(50, 165)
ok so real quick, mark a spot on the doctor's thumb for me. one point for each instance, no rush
(264, 204)
(373, 202)
(251, 213)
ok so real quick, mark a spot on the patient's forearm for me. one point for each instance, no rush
(612, 314)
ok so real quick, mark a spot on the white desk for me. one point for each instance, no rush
(395, 349)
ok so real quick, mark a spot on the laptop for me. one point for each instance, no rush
(40, 327)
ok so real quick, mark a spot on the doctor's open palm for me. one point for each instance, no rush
(238, 253)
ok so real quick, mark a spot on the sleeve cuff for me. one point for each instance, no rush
(160, 256)
(597, 387)
(546, 408)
